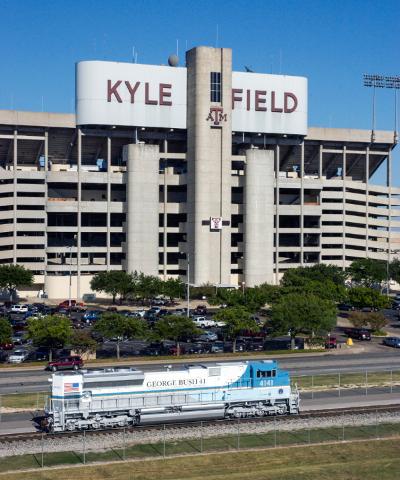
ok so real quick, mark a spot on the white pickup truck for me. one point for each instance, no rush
(204, 322)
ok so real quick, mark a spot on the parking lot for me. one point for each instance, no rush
(211, 338)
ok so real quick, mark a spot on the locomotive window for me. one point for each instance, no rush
(266, 374)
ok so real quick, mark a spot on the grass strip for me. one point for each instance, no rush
(357, 461)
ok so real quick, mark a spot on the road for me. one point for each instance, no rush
(383, 358)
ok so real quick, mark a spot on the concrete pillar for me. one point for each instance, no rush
(79, 215)
(259, 217)
(165, 214)
(209, 156)
(142, 208)
(277, 212)
(15, 163)
(108, 202)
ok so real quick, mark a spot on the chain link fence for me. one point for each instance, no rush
(202, 437)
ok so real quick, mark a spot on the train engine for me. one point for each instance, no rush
(118, 397)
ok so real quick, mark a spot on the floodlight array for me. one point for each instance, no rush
(381, 81)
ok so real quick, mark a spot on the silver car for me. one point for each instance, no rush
(18, 356)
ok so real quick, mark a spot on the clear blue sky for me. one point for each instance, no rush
(332, 42)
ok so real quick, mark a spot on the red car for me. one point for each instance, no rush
(75, 306)
(73, 362)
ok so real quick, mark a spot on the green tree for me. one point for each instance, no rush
(300, 276)
(376, 321)
(13, 277)
(113, 282)
(117, 326)
(367, 272)
(367, 297)
(176, 328)
(358, 319)
(173, 288)
(236, 319)
(324, 281)
(52, 331)
(5, 330)
(300, 313)
(147, 286)
(81, 342)
(394, 270)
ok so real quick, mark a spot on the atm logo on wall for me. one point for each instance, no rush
(217, 116)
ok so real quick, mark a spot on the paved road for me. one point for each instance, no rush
(383, 359)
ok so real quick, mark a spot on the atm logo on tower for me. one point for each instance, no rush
(217, 116)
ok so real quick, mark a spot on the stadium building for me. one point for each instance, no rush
(168, 170)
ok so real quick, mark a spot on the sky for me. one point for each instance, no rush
(331, 42)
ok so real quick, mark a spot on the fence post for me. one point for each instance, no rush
(42, 450)
(275, 431)
(376, 424)
(84, 447)
(366, 382)
(391, 381)
(339, 385)
(238, 434)
(201, 437)
(124, 450)
(164, 440)
(312, 387)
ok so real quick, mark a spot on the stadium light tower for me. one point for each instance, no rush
(382, 81)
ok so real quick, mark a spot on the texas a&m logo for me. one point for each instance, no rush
(217, 116)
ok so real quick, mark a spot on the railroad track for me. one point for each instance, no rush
(169, 427)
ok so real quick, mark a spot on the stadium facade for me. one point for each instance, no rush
(166, 169)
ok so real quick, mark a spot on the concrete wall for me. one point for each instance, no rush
(209, 166)
(259, 217)
(142, 208)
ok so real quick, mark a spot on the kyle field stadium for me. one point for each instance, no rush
(165, 166)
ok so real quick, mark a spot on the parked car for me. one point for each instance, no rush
(40, 354)
(330, 342)
(75, 306)
(154, 350)
(19, 308)
(20, 337)
(392, 342)
(18, 356)
(6, 346)
(208, 336)
(217, 347)
(198, 348)
(73, 362)
(358, 333)
(200, 310)
(91, 316)
(345, 307)
(255, 344)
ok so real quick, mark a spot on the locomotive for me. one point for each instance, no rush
(119, 397)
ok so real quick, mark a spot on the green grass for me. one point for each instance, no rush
(30, 401)
(346, 380)
(356, 461)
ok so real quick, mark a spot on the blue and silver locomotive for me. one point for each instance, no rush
(126, 396)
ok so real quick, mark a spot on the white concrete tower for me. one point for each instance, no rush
(142, 208)
(209, 153)
(258, 220)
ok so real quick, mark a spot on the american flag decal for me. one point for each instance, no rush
(71, 387)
